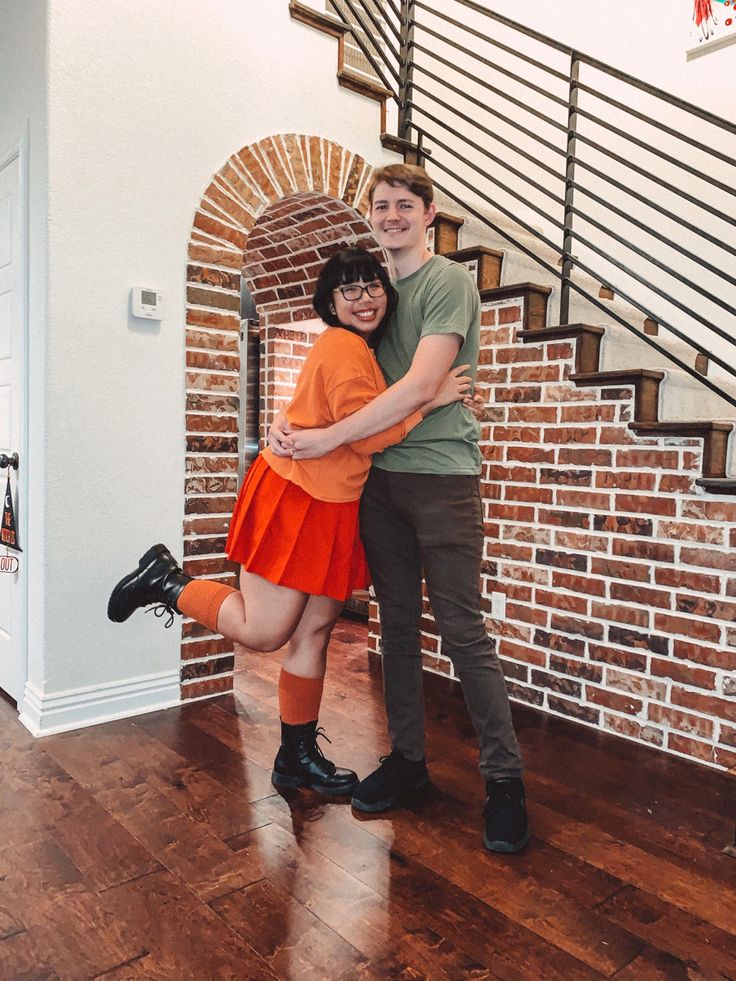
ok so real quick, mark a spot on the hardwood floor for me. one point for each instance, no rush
(156, 848)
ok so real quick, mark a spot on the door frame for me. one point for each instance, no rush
(19, 150)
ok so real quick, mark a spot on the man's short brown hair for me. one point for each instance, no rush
(413, 178)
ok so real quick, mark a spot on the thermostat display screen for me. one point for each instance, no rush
(148, 296)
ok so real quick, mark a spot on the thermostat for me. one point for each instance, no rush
(146, 303)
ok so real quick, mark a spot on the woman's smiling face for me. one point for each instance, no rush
(361, 311)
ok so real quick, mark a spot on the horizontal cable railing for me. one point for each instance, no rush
(598, 177)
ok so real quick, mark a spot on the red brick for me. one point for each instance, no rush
(514, 355)
(583, 499)
(573, 709)
(578, 584)
(633, 638)
(682, 531)
(569, 602)
(584, 457)
(576, 478)
(528, 533)
(690, 747)
(714, 657)
(517, 434)
(670, 483)
(683, 721)
(559, 351)
(705, 607)
(519, 475)
(566, 393)
(626, 479)
(616, 435)
(727, 736)
(562, 560)
(509, 315)
(639, 594)
(709, 558)
(509, 512)
(566, 686)
(646, 504)
(532, 414)
(622, 524)
(685, 674)
(620, 614)
(643, 549)
(488, 318)
(505, 550)
(535, 373)
(710, 510)
(527, 654)
(593, 412)
(518, 393)
(582, 543)
(614, 569)
(530, 454)
(207, 686)
(634, 729)
(526, 614)
(718, 708)
(576, 668)
(564, 519)
(618, 656)
(538, 495)
(690, 628)
(636, 684)
(613, 700)
(558, 642)
(570, 434)
(685, 579)
(583, 628)
(524, 573)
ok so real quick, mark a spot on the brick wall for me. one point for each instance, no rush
(278, 208)
(618, 576)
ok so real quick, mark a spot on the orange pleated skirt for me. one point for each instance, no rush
(285, 535)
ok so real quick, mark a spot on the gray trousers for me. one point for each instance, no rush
(414, 524)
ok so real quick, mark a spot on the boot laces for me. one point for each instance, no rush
(161, 610)
(321, 732)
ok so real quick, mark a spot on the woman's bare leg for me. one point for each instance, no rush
(307, 652)
(262, 615)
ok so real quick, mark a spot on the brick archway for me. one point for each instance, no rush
(297, 177)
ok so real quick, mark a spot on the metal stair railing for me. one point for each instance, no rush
(581, 167)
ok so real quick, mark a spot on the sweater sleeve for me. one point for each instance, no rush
(351, 395)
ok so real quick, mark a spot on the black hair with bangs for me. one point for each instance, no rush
(351, 266)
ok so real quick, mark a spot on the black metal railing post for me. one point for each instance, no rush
(406, 69)
(567, 240)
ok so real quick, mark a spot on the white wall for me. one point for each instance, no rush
(146, 102)
(23, 85)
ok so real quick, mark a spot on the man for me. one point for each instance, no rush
(421, 513)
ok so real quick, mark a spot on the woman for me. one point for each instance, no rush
(294, 530)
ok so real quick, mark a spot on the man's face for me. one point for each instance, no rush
(400, 218)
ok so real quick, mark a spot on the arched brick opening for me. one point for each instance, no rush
(274, 213)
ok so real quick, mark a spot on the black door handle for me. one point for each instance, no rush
(9, 461)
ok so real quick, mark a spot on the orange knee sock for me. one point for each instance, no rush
(201, 600)
(299, 698)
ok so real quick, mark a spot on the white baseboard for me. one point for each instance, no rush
(77, 708)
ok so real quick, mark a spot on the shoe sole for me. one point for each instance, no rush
(113, 613)
(385, 805)
(279, 780)
(506, 847)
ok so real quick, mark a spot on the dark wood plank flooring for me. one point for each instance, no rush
(156, 848)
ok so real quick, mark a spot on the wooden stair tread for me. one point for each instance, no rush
(560, 332)
(473, 252)
(693, 427)
(515, 289)
(620, 376)
(320, 21)
(363, 86)
(397, 145)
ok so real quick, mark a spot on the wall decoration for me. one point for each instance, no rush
(713, 26)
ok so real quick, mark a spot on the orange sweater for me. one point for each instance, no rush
(340, 376)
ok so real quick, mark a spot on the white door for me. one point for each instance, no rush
(12, 404)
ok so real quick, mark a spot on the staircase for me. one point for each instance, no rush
(610, 570)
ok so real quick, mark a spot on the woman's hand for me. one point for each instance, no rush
(279, 436)
(307, 444)
(455, 387)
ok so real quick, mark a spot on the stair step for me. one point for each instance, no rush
(362, 85)
(714, 435)
(405, 148)
(718, 485)
(535, 297)
(645, 382)
(587, 336)
(318, 20)
(482, 263)
(446, 228)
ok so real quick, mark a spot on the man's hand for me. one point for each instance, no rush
(307, 444)
(476, 404)
(455, 387)
(279, 436)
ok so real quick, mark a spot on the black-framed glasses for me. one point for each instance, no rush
(353, 291)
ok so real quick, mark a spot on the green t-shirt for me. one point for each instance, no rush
(439, 298)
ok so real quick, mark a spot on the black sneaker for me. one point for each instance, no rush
(506, 828)
(397, 780)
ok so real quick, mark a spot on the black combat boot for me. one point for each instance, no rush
(301, 763)
(157, 580)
